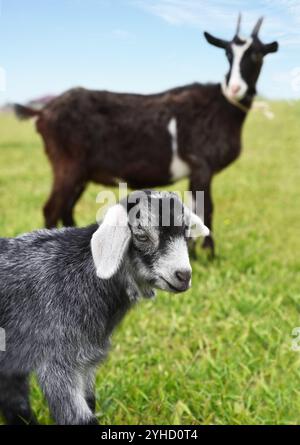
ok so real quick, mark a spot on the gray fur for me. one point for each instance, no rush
(58, 315)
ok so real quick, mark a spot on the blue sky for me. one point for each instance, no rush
(143, 46)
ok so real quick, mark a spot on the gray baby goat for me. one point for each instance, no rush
(64, 291)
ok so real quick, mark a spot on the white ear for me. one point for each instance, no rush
(197, 227)
(110, 242)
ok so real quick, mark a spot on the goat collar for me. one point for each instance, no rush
(236, 103)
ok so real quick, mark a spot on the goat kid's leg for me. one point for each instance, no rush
(65, 393)
(14, 400)
(197, 184)
(90, 396)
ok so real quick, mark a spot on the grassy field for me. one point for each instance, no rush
(221, 353)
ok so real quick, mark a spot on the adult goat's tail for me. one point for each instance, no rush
(25, 112)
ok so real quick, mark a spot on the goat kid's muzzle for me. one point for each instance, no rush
(180, 282)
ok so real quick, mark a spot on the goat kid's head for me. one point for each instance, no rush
(245, 57)
(151, 229)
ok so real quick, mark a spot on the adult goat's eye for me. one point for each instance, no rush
(256, 57)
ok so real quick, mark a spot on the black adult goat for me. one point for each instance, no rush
(193, 131)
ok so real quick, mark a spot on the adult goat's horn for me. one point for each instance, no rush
(238, 26)
(257, 27)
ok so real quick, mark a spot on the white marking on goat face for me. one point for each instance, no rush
(237, 87)
(176, 258)
(178, 168)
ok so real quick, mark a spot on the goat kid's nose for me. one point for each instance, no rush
(235, 88)
(183, 276)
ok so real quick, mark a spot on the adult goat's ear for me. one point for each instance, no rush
(220, 43)
(270, 48)
(197, 227)
(110, 242)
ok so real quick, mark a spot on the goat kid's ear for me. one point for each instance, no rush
(270, 48)
(197, 227)
(110, 242)
(219, 43)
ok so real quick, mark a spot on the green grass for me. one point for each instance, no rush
(221, 353)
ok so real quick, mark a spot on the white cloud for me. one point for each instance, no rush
(282, 16)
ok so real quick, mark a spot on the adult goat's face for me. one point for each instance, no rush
(149, 230)
(245, 57)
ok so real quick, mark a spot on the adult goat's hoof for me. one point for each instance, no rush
(192, 249)
(209, 247)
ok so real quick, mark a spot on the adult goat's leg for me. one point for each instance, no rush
(208, 242)
(66, 190)
(201, 182)
(52, 208)
(14, 400)
(70, 201)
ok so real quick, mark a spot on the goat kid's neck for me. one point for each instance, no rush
(135, 287)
